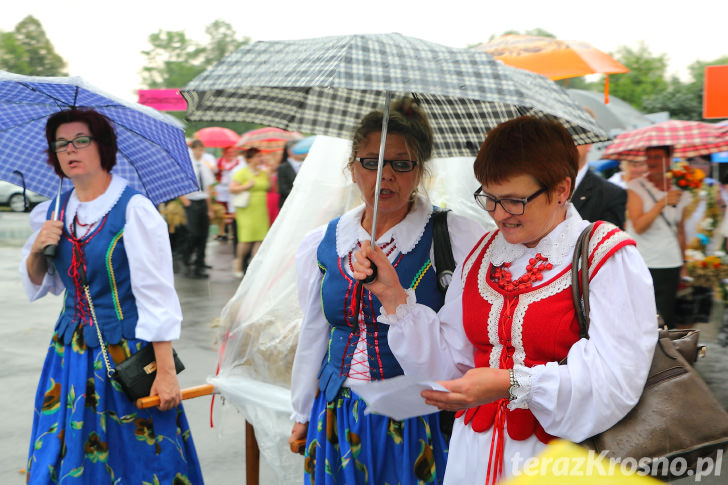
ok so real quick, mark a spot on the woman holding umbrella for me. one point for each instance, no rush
(343, 342)
(112, 238)
(509, 318)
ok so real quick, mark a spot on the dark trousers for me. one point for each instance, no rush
(198, 228)
(666, 282)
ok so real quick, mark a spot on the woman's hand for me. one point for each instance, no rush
(386, 286)
(673, 197)
(50, 233)
(478, 386)
(298, 433)
(165, 385)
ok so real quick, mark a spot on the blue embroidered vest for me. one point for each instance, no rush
(107, 271)
(337, 297)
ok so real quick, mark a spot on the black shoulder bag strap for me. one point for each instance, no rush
(444, 260)
(445, 265)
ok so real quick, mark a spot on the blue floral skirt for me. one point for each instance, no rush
(345, 446)
(86, 431)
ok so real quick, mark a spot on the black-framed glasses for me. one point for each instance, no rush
(515, 207)
(79, 142)
(397, 165)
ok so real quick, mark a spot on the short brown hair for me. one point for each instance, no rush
(101, 131)
(526, 145)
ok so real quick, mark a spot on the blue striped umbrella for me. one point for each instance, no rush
(153, 156)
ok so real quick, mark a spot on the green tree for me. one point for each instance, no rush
(27, 50)
(646, 76)
(174, 59)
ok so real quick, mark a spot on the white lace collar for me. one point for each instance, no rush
(557, 246)
(93, 211)
(406, 234)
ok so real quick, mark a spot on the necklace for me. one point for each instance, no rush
(536, 266)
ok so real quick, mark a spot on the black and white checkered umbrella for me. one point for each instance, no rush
(326, 85)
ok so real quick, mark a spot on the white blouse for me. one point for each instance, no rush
(314, 333)
(146, 242)
(604, 376)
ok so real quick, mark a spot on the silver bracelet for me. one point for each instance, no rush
(513, 385)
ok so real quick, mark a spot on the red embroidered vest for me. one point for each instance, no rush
(527, 327)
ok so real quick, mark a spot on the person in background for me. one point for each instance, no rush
(198, 212)
(288, 169)
(655, 219)
(252, 221)
(509, 316)
(230, 162)
(629, 170)
(85, 429)
(595, 198)
(339, 346)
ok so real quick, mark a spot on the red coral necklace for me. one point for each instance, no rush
(536, 266)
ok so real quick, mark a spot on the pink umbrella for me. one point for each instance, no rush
(268, 139)
(217, 137)
(688, 139)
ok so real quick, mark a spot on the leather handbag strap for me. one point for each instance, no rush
(580, 289)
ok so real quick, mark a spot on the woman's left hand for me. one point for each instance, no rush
(480, 385)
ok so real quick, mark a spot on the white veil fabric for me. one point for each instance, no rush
(261, 321)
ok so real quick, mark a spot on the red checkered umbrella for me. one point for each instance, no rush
(688, 139)
(268, 138)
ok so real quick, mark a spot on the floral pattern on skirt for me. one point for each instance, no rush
(346, 446)
(86, 431)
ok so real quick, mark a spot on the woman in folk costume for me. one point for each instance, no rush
(85, 429)
(338, 345)
(509, 318)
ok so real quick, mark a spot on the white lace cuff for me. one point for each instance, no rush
(299, 418)
(522, 392)
(402, 310)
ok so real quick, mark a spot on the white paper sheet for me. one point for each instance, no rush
(398, 397)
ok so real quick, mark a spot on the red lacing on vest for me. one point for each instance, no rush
(78, 260)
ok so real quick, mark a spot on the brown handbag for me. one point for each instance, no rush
(677, 415)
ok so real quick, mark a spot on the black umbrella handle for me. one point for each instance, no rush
(370, 278)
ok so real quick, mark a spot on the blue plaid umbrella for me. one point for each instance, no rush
(153, 156)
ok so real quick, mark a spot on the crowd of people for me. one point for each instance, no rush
(264, 178)
(502, 337)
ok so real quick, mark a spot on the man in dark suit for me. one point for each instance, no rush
(595, 198)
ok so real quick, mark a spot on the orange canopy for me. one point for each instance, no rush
(554, 58)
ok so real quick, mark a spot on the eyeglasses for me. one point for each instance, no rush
(515, 207)
(79, 142)
(397, 165)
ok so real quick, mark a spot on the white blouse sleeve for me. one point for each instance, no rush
(433, 345)
(314, 332)
(51, 281)
(146, 241)
(605, 373)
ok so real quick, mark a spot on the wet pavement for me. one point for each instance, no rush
(25, 330)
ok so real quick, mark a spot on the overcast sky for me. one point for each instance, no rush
(102, 41)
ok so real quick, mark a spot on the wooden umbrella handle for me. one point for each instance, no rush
(187, 393)
(299, 446)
